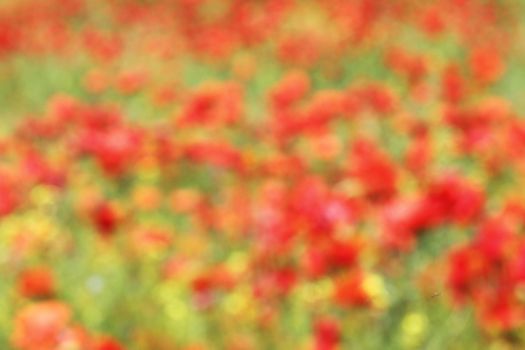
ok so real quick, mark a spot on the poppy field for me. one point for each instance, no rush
(262, 174)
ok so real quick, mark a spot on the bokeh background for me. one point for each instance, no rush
(262, 174)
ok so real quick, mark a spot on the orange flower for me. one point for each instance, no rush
(96, 81)
(41, 326)
(487, 65)
(130, 82)
(185, 200)
(147, 198)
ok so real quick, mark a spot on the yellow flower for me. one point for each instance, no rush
(374, 286)
(413, 328)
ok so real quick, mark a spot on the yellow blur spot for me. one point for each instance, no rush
(69, 344)
(374, 286)
(413, 327)
(236, 303)
(147, 173)
(237, 262)
(414, 323)
(520, 293)
(164, 293)
(42, 195)
(315, 292)
(177, 310)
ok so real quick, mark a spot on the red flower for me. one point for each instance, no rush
(106, 218)
(292, 87)
(349, 290)
(402, 222)
(432, 21)
(374, 170)
(412, 67)
(380, 98)
(9, 198)
(466, 269)
(213, 104)
(36, 282)
(214, 153)
(327, 333)
(103, 46)
(453, 84)
(107, 343)
(131, 82)
(451, 198)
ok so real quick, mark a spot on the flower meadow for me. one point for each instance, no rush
(262, 174)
